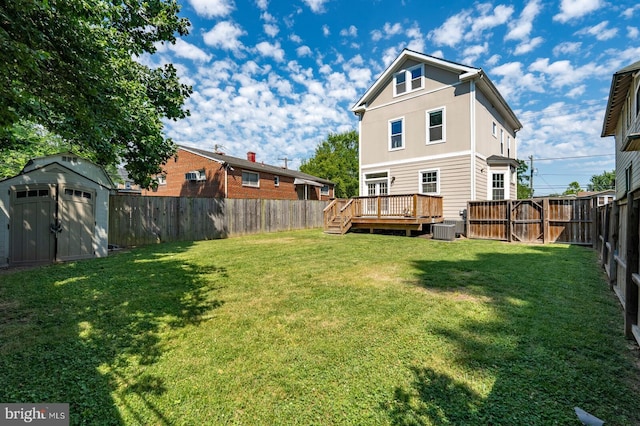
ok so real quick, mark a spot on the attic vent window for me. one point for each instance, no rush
(415, 76)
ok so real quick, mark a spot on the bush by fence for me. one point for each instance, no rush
(137, 220)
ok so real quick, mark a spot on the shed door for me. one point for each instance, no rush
(77, 223)
(51, 223)
(33, 209)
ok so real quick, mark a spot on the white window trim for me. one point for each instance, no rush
(276, 180)
(327, 192)
(494, 129)
(407, 80)
(502, 142)
(444, 125)
(507, 184)
(366, 180)
(437, 181)
(249, 184)
(404, 131)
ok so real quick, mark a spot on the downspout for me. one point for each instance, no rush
(360, 183)
(472, 114)
(226, 179)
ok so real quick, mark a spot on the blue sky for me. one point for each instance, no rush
(276, 77)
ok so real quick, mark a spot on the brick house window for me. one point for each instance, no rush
(276, 180)
(250, 179)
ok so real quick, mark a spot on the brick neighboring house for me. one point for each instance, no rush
(195, 172)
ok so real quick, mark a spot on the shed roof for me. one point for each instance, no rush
(620, 84)
(254, 166)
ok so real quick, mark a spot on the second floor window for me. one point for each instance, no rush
(435, 119)
(396, 134)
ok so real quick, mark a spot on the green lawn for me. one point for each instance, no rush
(306, 328)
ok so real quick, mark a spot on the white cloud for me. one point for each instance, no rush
(325, 30)
(567, 47)
(629, 12)
(262, 4)
(472, 53)
(488, 20)
(520, 29)
(493, 60)
(577, 91)
(213, 8)
(271, 30)
(514, 81)
(224, 35)
(303, 51)
(632, 32)
(452, 31)
(316, 6)
(563, 73)
(573, 9)
(295, 38)
(267, 17)
(600, 31)
(387, 31)
(182, 49)
(269, 50)
(352, 31)
(528, 46)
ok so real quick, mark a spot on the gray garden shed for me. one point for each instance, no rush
(56, 209)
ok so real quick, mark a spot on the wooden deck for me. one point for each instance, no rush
(408, 212)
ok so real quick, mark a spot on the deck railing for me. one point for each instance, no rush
(408, 205)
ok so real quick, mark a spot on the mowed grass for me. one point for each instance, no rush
(306, 328)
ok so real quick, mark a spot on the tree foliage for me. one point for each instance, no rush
(336, 159)
(573, 189)
(524, 185)
(68, 67)
(603, 182)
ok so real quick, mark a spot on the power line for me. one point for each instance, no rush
(574, 157)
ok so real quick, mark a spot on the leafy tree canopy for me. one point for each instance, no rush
(68, 69)
(336, 159)
(603, 182)
(573, 188)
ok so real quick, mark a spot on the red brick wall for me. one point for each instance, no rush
(214, 186)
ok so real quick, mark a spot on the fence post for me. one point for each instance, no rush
(545, 221)
(631, 290)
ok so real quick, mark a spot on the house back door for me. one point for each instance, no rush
(31, 237)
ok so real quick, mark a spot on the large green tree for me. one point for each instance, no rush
(68, 67)
(336, 159)
(607, 180)
(573, 189)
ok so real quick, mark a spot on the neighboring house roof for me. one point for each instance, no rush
(256, 166)
(617, 96)
(465, 73)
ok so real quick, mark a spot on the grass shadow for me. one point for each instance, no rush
(549, 326)
(79, 332)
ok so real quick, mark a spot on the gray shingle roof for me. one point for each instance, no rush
(254, 166)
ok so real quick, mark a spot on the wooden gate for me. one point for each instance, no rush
(537, 220)
(527, 221)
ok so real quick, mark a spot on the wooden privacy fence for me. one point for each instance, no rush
(543, 220)
(138, 220)
(618, 228)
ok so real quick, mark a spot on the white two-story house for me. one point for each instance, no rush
(432, 126)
